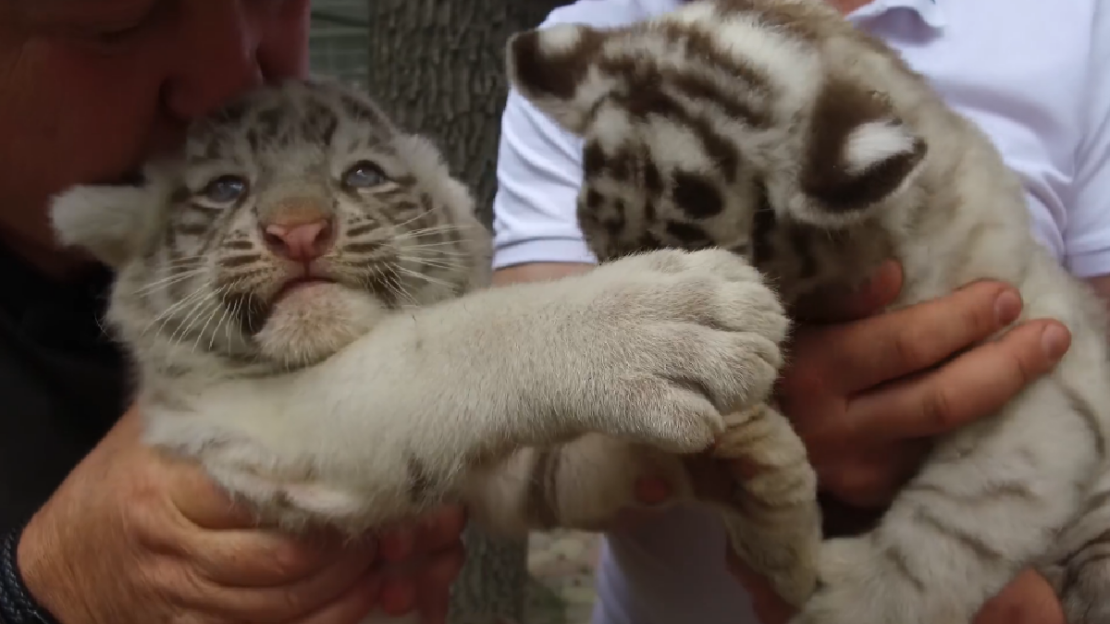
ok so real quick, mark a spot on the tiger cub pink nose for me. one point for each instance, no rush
(302, 242)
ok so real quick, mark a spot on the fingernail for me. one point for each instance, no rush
(1055, 340)
(1007, 307)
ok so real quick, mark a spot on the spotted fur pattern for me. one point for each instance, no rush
(774, 129)
(393, 380)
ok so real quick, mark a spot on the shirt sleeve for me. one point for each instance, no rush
(539, 173)
(1087, 235)
(539, 165)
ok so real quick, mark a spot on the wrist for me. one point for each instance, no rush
(18, 605)
(48, 573)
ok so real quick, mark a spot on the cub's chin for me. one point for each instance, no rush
(313, 321)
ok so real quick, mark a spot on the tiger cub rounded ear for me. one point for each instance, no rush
(112, 222)
(858, 153)
(550, 67)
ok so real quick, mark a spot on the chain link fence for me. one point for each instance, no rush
(339, 41)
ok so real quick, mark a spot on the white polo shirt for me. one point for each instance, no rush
(1033, 74)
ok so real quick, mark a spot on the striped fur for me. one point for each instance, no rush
(405, 383)
(774, 129)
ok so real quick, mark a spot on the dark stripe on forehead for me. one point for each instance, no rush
(231, 114)
(650, 90)
(318, 122)
(362, 110)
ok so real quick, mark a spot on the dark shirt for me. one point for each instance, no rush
(62, 381)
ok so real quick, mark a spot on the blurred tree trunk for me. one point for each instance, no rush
(437, 67)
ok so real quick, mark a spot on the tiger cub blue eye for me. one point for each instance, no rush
(364, 174)
(225, 189)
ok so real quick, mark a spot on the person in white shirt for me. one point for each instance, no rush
(1035, 76)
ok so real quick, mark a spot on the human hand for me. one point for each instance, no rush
(422, 560)
(134, 537)
(867, 393)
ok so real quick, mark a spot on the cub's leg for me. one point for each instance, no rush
(767, 497)
(989, 503)
(771, 514)
(652, 349)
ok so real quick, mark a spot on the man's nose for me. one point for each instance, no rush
(216, 60)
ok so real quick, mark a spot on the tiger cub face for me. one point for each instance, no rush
(290, 222)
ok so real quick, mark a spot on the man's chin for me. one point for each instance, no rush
(313, 321)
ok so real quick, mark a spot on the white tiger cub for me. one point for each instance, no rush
(301, 291)
(775, 129)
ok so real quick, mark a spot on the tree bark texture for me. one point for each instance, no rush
(437, 68)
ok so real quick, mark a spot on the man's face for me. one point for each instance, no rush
(90, 88)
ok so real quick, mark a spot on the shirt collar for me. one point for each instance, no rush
(929, 11)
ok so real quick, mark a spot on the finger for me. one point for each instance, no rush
(1028, 600)
(398, 596)
(976, 383)
(768, 607)
(866, 353)
(260, 558)
(434, 585)
(442, 529)
(870, 297)
(442, 570)
(398, 544)
(200, 501)
(351, 607)
(280, 603)
(421, 583)
(434, 608)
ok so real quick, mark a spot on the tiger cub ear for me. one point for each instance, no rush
(112, 221)
(857, 153)
(554, 69)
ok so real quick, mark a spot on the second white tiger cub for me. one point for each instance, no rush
(776, 129)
